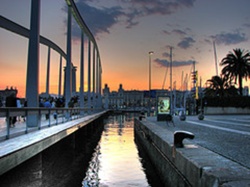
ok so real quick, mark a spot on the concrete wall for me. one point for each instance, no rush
(189, 166)
(42, 161)
(226, 110)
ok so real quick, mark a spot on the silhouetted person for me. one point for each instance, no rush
(11, 102)
(47, 104)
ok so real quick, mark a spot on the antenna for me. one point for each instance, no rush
(182, 81)
(186, 82)
(215, 58)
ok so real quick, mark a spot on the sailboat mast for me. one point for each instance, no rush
(215, 58)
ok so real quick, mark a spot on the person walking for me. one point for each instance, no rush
(11, 102)
(47, 104)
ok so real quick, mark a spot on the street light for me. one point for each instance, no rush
(171, 88)
(149, 55)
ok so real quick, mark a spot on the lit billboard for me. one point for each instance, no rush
(163, 105)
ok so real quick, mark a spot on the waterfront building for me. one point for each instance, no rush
(138, 99)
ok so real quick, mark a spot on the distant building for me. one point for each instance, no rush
(134, 98)
(137, 99)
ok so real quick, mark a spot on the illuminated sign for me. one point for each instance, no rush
(163, 105)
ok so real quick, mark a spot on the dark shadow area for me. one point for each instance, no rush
(149, 169)
(63, 164)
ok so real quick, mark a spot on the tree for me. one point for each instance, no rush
(236, 67)
(219, 87)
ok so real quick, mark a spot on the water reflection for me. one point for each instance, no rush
(116, 160)
(92, 178)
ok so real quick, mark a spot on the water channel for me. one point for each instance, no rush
(117, 159)
(104, 153)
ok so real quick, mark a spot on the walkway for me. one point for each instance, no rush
(219, 155)
(18, 149)
(227, 135)
(20, 126)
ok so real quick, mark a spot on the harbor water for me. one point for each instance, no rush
(104, 153)
(117, 159)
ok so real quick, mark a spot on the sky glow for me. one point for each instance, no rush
(126, 30)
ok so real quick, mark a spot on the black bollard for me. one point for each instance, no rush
(180, 135)
(201, 117)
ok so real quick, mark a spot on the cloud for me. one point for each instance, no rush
(207, 41)
(187, 3)
(247, 25)
(230, 38)
(179, 32)
(166, 54)
(99, 20)
(186, 42)
(166, 63)
(100, 17)
(166, 32)
(164, 7)
(175, 31)
(140, 8)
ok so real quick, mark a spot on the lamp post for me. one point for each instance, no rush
(149, 55)
(171, 88)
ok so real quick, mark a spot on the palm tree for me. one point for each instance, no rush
(217, 87)
(237, 66)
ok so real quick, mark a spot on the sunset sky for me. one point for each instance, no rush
(126, 30)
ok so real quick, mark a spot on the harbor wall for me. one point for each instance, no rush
(191, 165)
(52, 160)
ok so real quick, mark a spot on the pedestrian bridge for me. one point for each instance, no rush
(57, 116)
(36, 133)
(32, 141)
(89, 97)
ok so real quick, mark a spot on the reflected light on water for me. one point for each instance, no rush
(117, 157)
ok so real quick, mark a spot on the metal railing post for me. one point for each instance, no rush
(40, 119)
(49, 118)
(26, 114)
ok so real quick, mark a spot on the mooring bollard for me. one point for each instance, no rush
(201, 117)
(142, 115)
(179, 136)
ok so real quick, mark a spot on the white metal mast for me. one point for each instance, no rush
(215, 58)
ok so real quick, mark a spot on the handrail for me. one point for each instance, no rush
(82, 24)
(18, 29)
(62, 115)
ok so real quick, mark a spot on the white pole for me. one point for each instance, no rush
(82, 73)
(60, 77)
(89, 74)
(68, 72)
(48, 72)
(32, 78)
(215, 58)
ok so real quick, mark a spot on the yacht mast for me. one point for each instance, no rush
(215, 58)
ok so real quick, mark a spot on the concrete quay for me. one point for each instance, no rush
(192, 165)
(18, 149)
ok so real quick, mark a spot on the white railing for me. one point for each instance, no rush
(62, 115)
